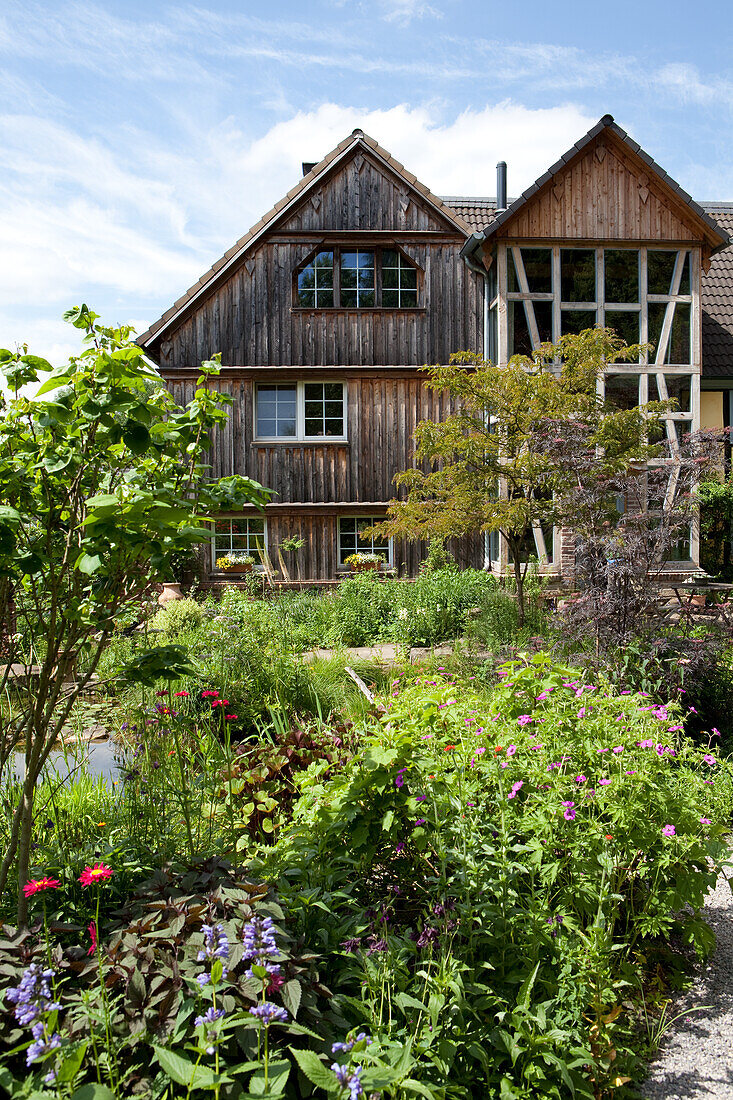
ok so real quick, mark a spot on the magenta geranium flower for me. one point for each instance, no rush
(668, 830)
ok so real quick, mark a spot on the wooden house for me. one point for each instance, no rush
(326, 310)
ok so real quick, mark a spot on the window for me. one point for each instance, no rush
(352, 540)
(277, 411)
(244, 535)
(315, 282)
(357, 278)
(643, 294)
(399, 280)
(301, 410)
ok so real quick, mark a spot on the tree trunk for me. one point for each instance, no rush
(519, 578)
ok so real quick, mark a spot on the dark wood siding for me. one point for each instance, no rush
(382, 414)
(250, 317)
(318, 558)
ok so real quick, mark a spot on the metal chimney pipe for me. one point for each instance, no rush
(501, 202)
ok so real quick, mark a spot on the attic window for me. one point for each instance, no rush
(357, 278)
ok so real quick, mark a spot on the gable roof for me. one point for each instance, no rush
(606, 123)
(234, 255)
(717, 302)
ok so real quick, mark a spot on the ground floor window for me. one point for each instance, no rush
(352, 539)
(243, 536)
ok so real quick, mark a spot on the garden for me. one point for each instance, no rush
(473, 870)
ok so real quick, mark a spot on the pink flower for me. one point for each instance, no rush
(603, 782)
(715, 732)
(668, 830)
(705, 821)
(97, 873)
(524, 719)
(619, 748)
(708, 758)
(37, 884)
(515, 788)
(181, 694)
(581, 779)
(511, 750)
(569, 814)
(581, 712)
(601, 750)
(92, 929)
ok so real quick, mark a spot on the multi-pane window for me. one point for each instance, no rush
(399, 280)
(353, 539)
(315, 282)
(643, 294)
(358, 278)
(301, 411)
(277, 411)
(244, 535)
(324, 408)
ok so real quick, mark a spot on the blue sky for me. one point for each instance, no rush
(140, 139)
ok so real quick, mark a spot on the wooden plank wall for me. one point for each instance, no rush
(603, 195)
(382, 414)
(252, 318)
(319, 556)
(251, 322)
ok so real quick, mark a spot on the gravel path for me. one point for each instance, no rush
(696, 1058)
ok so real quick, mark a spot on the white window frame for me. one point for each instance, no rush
(300, 436)
(258, 566)
(364, 521)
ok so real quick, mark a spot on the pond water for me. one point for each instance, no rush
(102, 758)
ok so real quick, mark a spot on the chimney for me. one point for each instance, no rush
(501, 202)
(308, 166)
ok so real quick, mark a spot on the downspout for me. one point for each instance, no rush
(479, 269)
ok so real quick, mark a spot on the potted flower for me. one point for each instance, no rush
(234, 562)
(361, 562)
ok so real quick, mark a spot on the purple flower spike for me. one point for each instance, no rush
(268, 1013)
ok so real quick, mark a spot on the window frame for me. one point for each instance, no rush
(300, 436)
(651, 367)
(258, 566)
(377, 248)
(365, 521)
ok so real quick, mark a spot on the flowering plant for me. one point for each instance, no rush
(234, 560)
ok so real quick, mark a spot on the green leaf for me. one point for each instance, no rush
(7, 1081)
(59, 378)
(186, 1073)
(37, 363)
(93, 1091)
(88, 563)
(278, 1072)
(71, 1061)
(526, 988)
(291, 994)
(136, 436)
(415, 1086)
(314, 1069)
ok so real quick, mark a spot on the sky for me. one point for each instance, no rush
(141, 139)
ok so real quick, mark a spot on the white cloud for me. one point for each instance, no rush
(402, 12)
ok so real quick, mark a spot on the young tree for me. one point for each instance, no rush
(101, 483)
(493, 464)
